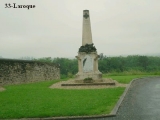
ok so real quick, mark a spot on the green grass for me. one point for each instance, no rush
(125, 78)
(133, 72)
(37, 100)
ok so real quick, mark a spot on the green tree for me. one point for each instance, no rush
(143, 62)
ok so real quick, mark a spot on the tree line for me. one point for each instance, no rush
(69, 67)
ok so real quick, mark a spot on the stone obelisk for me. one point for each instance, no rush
(87, 34)
(87, 55)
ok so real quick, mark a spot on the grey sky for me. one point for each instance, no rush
(54, 27)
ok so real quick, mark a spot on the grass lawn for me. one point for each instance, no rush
(37, 100)
(125, 78)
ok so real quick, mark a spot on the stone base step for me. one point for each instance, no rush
(87, 84)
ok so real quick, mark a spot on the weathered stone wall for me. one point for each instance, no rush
(25, 71)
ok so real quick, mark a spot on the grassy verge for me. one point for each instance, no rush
(37, 100)
(126, 76)
(133, 72)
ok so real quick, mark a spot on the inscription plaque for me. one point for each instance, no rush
(87, 64)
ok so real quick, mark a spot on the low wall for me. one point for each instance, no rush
(24, 71)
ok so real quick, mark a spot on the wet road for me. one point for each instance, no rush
(142, 101)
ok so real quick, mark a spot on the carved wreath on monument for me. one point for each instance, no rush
(88, 48)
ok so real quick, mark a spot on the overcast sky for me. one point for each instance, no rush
(54, 27)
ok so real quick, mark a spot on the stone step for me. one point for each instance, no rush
(87, 84)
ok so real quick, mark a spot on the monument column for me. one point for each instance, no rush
(86, 33)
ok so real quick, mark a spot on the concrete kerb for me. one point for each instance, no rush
(112, 114)
(66, 118)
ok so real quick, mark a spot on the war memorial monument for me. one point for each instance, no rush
(88, 73)
(87, 55)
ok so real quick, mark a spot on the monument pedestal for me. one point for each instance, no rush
(88, 68)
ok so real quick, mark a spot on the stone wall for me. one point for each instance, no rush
(24, 71)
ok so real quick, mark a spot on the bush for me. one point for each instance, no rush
(88, 78)
(70, 75)
(63, 76)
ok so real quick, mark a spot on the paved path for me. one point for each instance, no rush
(142, 101)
